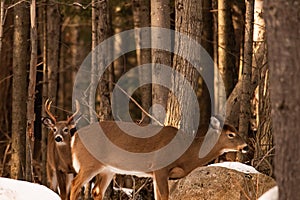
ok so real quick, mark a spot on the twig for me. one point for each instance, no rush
(142, 186)
(4, 79)
(265, 156)
(242, 189)
(132, 99)
(76, 4)
(15, 4)
(82, 6)
(59, 108)
(5, 156)
(133, 192)
(138, 105)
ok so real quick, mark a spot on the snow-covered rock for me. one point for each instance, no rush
(229, 180)
(236, 166)
(11, 189)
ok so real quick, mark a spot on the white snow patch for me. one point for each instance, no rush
(236, 166)
(271, 194)
(11, 189)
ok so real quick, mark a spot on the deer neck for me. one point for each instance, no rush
(213, 154)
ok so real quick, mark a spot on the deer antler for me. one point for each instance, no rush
(47, 109)
(76, 112)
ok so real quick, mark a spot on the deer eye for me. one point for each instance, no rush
(231, 135)
(54, 129)
(66, 130)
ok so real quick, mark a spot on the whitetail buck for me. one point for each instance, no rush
(59, 160)
(88, 166)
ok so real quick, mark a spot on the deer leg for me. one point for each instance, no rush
(69, 179)
(83, 176)
(96, 188)
(160, 183)
(52, 179)
(102, 182)
(61, 178)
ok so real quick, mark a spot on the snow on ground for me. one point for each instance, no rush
(271, 194)
(236, 166)
(11, 189)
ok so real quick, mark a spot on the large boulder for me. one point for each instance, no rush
(234, 181)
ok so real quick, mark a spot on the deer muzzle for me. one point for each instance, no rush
(245, 149)
(58, 138)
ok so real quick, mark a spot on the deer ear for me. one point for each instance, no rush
(73, 131)
(215, 123)
(211, 138)
(47, 122)
(73, 125)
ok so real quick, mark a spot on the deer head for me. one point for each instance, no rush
(62, 130)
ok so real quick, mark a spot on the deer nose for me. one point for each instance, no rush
(58, 138)
(245, 149)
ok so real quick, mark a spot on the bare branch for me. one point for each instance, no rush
(138, 105)
(15, 4)
(6, 78)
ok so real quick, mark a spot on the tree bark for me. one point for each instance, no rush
(261, 101)
(207, 43)
(226, 44)
(1, 23)
(31, 92)
(141, 18)
(246, 75)
(160, 17)
(282, 25)
(94, 62)
(6, 60)
(45, 94)
(20, 59)
(103, 32)
(244, 118)
(188, 15)
(53, 37)
(238, 21)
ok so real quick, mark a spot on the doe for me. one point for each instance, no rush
(87, 166)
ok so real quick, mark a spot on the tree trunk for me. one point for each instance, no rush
(160, 17)
(1, 23)
(217, 90)
(191, 26)
(31, 92)
(207, 43)
(238, 22)
(53, 37)
(103, 32)
(226, 44)
(45, 94)
(141, 18)
(262, 105)
(244, 118)
(282, 25)
(94, 62)
(6, 60)
(20, 59)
